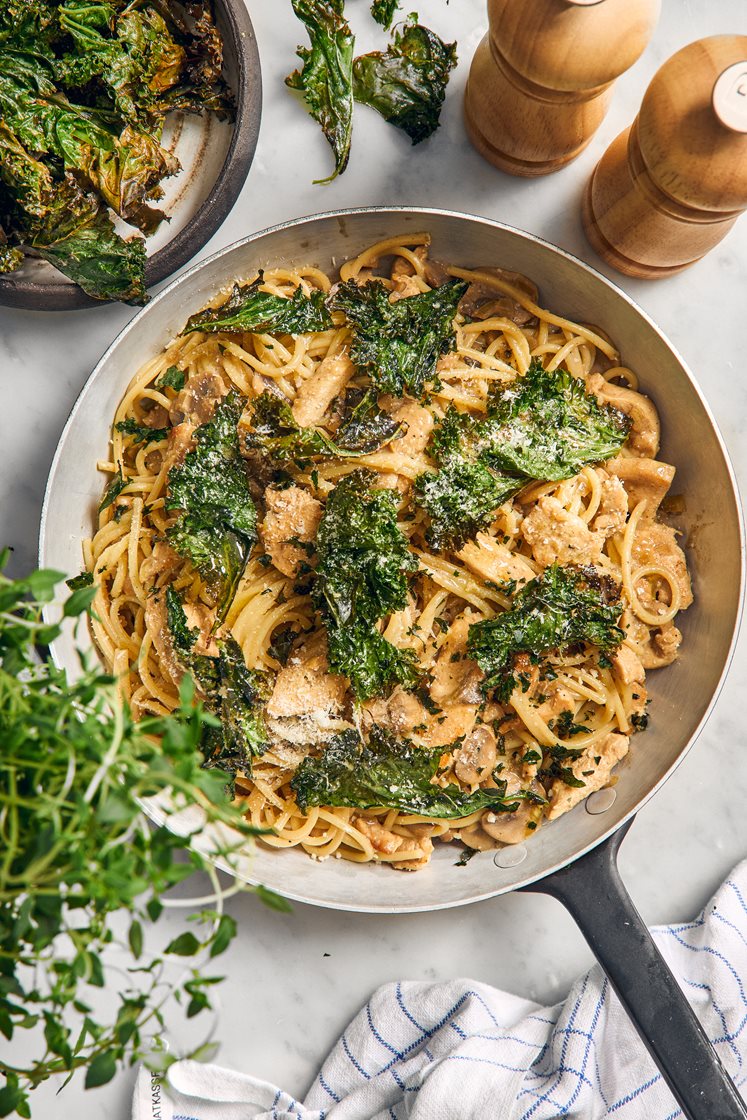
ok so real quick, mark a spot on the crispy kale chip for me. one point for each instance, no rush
(543, 426)
(406, 83)
(275, 432)
(361, 577)
(140, 433)
(390, 772)
(234, 694)
(460, 499)
(326, 77)
(562, 607)
(398, 343)
(249, 309)
(217, 526)
(383, 11)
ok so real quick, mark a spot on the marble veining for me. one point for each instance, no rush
(296, 980)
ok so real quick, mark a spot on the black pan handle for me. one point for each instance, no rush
(592, 891)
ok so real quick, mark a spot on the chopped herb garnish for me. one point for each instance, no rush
(140, 433)
(172, 378)
(85, 579)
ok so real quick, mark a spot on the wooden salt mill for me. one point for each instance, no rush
(541, 79)
(673, 184)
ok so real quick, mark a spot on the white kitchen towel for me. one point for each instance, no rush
(461, 1050)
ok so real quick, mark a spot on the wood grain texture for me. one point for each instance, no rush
(540, 81)
(670, 187)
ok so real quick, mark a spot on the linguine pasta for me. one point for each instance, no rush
(560, 734)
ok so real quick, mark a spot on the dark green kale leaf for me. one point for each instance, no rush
(275, 432)
(554, 769)
(234, 694)
(546, 426)
(460, 499)
(140, 433)
(543, 426)
(406, 83)
(398, 343)
(364, 427)
(383, 11)
(113, 490)
(393, 773)
(361, 576)
(560, 608)
(249, 309)
(217, 526)
(326, 77)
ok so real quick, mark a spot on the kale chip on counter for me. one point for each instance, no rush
(406, 83)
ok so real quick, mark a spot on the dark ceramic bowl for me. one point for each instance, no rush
(215, 157)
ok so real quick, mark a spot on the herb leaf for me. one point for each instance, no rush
(326, 77)
(249, 309)
(361, 577)
(217, 527)
(558, 609)
(389, 772)
(406, 83)
(398, 343)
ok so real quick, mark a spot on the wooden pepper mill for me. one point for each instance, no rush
(541, 79)
(673, 184)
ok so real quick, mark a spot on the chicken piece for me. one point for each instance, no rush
(382, 840)
(320, 389)
(643, 479)
(404, 286)
(612, 514)
(559, 699)
(594, 775)
(455, 676)
(292, 516)
(557, 536)
(307, 701)
(163, 561)
(656, 647)
(405, 712)
(418, 425)
(646, 430)
(476, 757)
(202, 619)
(627, 667)
(655, 545)
(453, 723)
(666, 642)
(425, 844)
(491, 560)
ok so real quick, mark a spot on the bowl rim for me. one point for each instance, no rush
(248, 874)
(31, 295)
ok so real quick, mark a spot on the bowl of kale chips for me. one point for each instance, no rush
(126, 134)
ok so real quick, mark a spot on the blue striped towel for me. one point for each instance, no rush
(464, 1051)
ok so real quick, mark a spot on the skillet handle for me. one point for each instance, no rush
(592, 891)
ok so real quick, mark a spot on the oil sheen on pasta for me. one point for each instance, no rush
(570, 718)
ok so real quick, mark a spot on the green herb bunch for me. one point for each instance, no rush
(75, 849)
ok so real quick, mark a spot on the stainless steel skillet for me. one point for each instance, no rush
(574, 857)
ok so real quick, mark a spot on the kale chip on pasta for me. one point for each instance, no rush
(391, 772)
(217, 521)
(398, 342)
(562, 607)
(361, 577)
(250, 309)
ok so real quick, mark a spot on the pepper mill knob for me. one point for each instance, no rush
(541, 79)
(671, 186)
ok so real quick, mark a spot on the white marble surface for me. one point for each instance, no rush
(296, 980)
